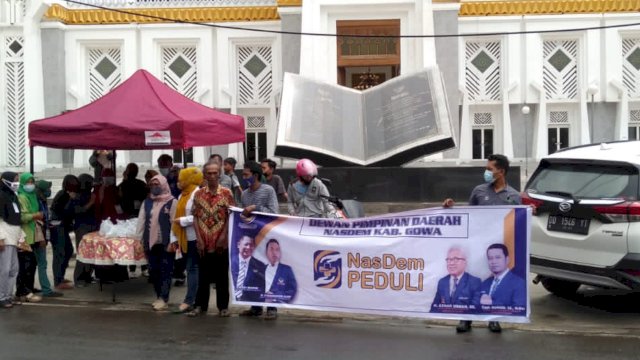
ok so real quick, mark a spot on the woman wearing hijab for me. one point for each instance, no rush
(147, 179)
(10, 235)
(184, 233)
(62, 216)
(106, 197)
(43, 193)
(148, 176)
(29, 260)
(82, 205)
(154, 228)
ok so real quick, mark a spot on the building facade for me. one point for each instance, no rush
(523, 78)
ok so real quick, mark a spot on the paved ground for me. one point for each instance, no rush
(33, 332)
(591, 312)
(86, 324)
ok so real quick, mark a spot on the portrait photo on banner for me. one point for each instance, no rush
(258, 262)
(485, 274)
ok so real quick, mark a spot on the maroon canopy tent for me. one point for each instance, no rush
(142, 113)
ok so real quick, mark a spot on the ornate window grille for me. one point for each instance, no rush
(483, 71)
(16, 129)
(104, 71)
(255, 75)
(560, 69)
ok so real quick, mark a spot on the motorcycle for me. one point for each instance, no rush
(345, 209)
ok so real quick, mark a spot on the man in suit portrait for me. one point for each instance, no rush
(458, 287)
(247, 272)
(502, 288)
(280, 283)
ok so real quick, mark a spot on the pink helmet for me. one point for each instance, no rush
(306, 167)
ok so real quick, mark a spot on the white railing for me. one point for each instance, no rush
(167, 3)
(12, 11)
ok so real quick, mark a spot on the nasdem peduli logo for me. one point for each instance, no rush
(327, 269)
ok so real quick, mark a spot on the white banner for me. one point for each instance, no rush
(460, 263)
(157, 138)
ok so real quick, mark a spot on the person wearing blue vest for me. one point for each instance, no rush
(154, 228)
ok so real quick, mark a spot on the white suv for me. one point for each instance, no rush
(586, 227)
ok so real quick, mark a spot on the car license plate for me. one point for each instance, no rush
(568, 224)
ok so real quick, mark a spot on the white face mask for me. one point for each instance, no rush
(29, 188)
(11, 185)
(164, 171)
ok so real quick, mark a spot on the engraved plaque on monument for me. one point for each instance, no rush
(388, 125)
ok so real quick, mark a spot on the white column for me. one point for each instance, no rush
(81, 158)
(540, 135)
(200, 155)
(466, 145)
(507, 136)
(583, 131)
(235, 150)
(586, 100)
(33, 77)
(428, 44)
(122, 158)
(621, 131)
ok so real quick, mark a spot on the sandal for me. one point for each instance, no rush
(6, 304)
(31, 298)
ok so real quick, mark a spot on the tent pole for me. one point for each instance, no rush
(31, 167)
(184, 159)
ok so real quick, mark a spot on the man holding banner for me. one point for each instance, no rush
(257, 197)
(494, 191)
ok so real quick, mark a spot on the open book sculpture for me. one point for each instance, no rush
(391, 124)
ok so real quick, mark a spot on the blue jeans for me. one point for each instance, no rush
(8, 271)
(41, 259)
(160, 270)
(192, 259)
(62, 252)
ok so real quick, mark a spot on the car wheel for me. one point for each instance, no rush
(562, 288)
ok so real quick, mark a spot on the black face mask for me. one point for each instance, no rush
(306, 182)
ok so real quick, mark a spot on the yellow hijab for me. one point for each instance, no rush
(189, 178)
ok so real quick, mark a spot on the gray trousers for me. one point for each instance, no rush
(8, 272)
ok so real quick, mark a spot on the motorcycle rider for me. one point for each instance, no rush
(308, 196)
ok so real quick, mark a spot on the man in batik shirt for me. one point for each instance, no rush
(211, 219)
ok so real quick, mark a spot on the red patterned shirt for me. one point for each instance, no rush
(211, 215)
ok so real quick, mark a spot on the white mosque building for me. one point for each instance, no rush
(523, 78)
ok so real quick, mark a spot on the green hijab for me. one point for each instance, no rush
(34, 205)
